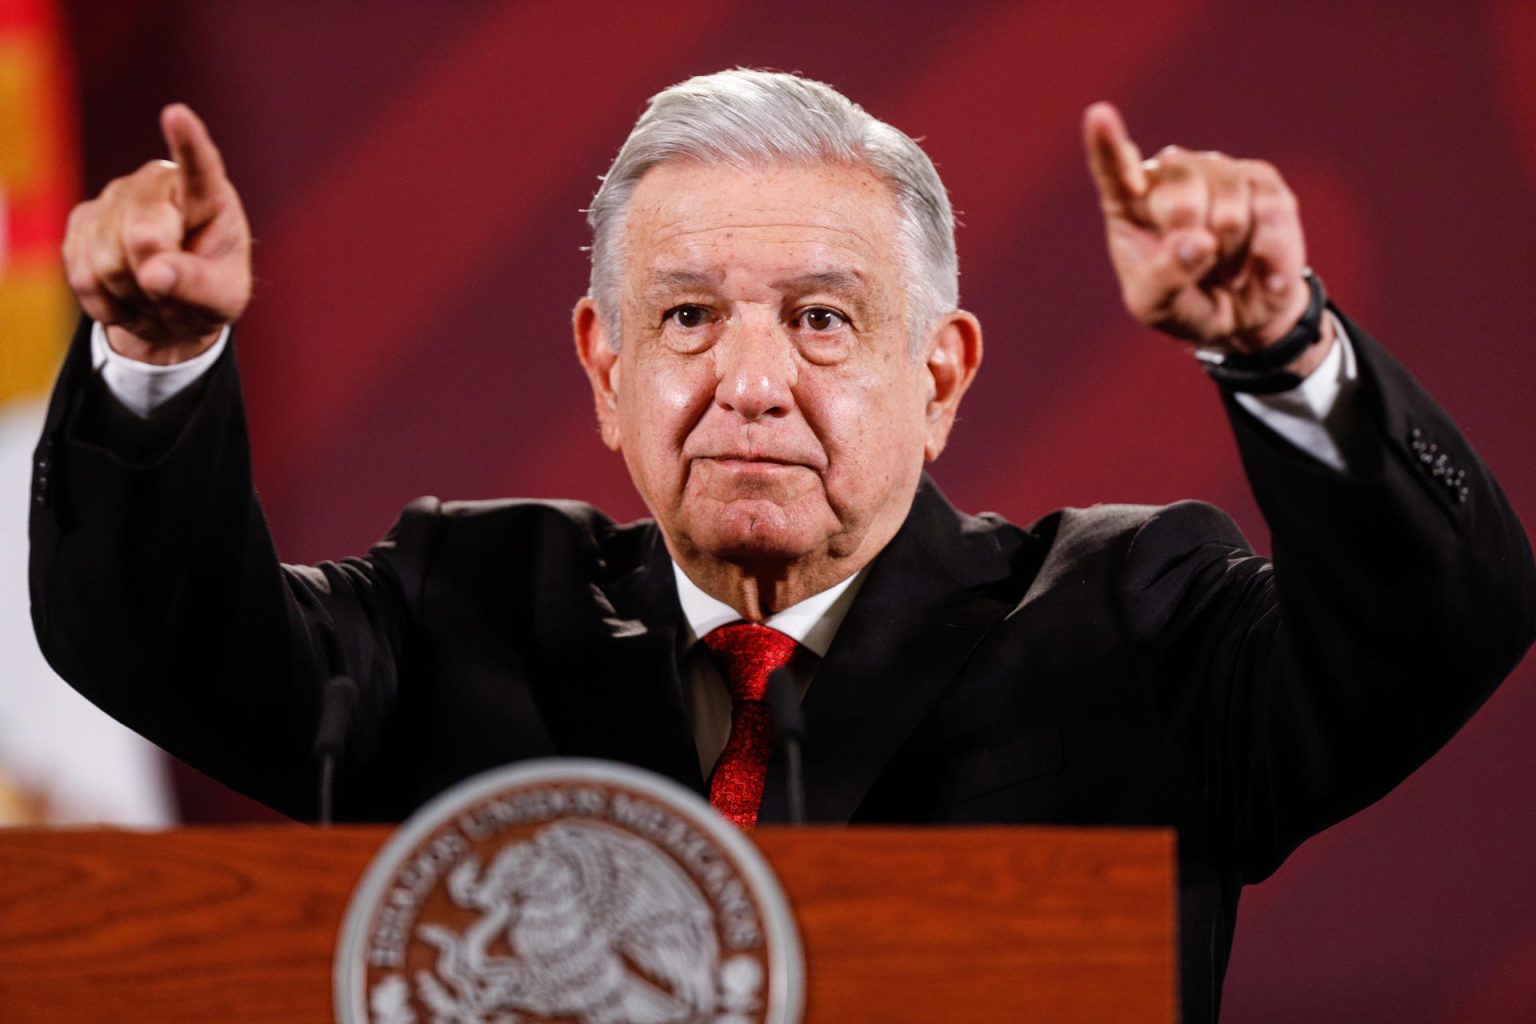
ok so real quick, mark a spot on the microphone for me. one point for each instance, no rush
(784, 700)
(336, 706)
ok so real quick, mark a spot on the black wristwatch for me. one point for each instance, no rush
(1263, 372)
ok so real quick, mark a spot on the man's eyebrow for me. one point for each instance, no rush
(682, 280)
(838, 280)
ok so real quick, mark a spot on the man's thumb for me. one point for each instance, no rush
(181, 278)
(158, 276)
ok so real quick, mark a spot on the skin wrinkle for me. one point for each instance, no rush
(777, 456)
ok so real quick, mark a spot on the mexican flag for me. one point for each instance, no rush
(61, 760)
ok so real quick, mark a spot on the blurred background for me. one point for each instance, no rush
(415, 173)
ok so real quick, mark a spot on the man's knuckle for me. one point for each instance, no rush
(80, 215)
(1175, 206)
(1228, 223)
(1169, 172)
(1229, 198)
(81, 280)
(1263, 173)
(136, 235)
(1274, 206)
(101, 260)
(146, 231)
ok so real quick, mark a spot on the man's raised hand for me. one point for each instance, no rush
(1208, 248)
(163, 255)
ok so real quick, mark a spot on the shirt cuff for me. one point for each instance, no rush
(143, 387)
(1315, 414)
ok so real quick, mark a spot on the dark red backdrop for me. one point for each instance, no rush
(414, 173)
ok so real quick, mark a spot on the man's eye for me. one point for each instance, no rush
(820, 318)
(688, 316)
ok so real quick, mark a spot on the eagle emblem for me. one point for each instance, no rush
(568, 892)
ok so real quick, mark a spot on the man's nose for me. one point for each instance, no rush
(757, 370)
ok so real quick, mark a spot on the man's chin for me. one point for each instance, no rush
(757, 532)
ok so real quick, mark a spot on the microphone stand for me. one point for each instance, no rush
(336, 705)
(784, 700)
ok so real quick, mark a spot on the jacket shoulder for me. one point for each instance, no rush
(1145, 536)
(533, 538)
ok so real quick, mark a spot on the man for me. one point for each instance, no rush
(774, 345)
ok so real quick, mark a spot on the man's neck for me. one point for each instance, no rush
(813, 623)
(758, 588)
(758, 592)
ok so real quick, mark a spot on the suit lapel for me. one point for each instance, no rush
(920, 613)
(618, 694)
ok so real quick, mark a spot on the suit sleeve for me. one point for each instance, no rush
(1400, 594)
(157, 594)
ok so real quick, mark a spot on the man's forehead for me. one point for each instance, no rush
(793, 228)
(698, 177)
(676, 200)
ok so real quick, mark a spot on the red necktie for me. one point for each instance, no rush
(746, 654)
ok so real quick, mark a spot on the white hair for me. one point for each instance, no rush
(744, 118)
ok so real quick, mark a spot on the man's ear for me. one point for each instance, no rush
(954, 355)
(601, 361)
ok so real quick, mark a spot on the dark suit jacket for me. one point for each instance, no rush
(1124, 665)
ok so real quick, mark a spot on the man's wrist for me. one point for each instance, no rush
(143, 387)
(1285, 362)
(1319, 414)
(1314, 355)
(131, 346)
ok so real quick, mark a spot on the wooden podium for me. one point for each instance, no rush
(235, 925)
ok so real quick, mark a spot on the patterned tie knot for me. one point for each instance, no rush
(747, 654)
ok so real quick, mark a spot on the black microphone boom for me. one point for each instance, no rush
(336, 706)
(784, 699)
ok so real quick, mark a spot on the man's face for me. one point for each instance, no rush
(764, 394)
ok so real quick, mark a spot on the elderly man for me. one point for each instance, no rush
(774, 345)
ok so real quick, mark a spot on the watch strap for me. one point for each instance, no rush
(1263, 372)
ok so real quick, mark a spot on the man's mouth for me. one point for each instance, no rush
(753, 460)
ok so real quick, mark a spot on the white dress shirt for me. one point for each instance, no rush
(812, 623)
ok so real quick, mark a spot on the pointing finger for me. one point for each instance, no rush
(1113, 158)
(192, 148)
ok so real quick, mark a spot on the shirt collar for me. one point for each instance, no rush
(812, 623)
